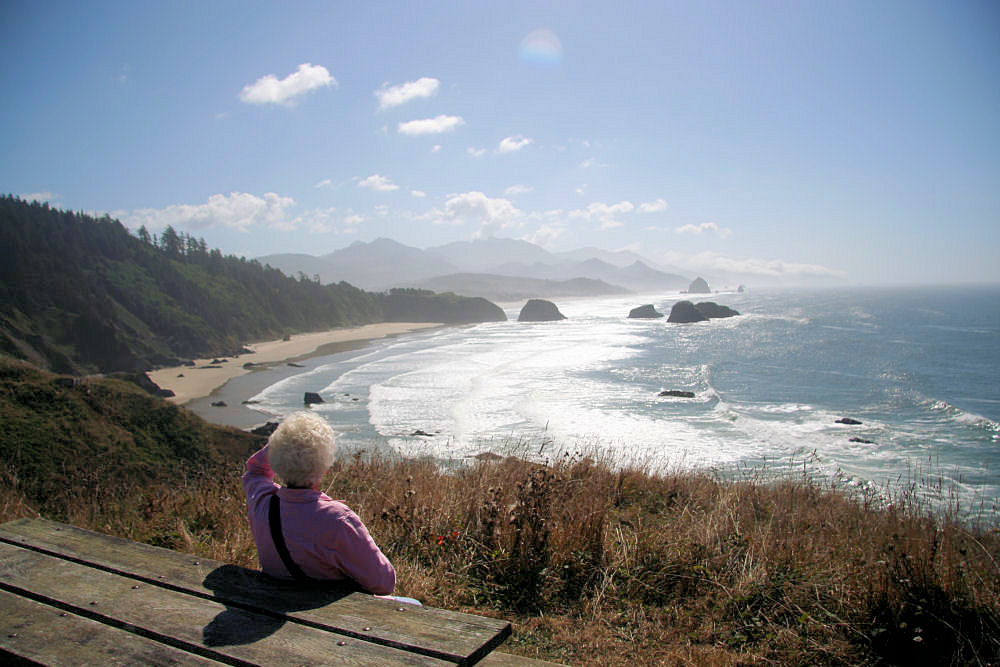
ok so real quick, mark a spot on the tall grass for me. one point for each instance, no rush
(599, 564)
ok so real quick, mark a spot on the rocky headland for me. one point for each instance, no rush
(540, 310)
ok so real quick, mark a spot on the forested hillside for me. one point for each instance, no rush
(82, 294)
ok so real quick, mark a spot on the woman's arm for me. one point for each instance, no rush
(258, 479)
(360, 558)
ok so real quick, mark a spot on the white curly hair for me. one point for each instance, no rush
(301, 449)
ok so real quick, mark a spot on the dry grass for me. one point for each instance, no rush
(597, 565)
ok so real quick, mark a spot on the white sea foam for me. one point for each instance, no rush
(769, 387)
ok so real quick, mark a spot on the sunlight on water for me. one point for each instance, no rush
(769, 388)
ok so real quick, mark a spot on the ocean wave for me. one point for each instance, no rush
(768, 387)
(861, 330)
(964, 417)
(783, 408)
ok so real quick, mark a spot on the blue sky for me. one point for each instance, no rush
(791, 139)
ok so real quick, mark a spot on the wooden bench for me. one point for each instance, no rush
(73, 596)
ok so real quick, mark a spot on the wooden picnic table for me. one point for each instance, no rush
(73, 596)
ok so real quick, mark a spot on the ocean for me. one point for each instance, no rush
(918, 367)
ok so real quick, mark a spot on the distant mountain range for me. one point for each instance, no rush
(507, 288)
(502, 269)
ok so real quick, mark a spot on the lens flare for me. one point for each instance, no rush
(541, 47)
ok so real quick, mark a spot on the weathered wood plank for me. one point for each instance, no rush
(498, 659)
(195, 624)
(43, 634)
(462, 638)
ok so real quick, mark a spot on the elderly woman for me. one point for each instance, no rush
(300, 532)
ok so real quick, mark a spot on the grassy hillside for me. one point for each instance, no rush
(81, 294)
(594, 564)
(62, 436)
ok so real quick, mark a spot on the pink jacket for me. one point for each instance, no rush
(324, 537)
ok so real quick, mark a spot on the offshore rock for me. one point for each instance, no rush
(312, 397)
(699, 286)
(712, 310)
(849, 421)
(540, 310)
(684, 312)
(645, 312)
(677, 393)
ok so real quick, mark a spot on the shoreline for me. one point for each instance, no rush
(196, 387)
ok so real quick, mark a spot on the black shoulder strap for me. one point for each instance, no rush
(274, 520)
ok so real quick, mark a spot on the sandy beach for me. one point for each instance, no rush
(190, 383)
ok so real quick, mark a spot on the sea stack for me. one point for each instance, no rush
(540, 310)
(712, 310)
(684, 312)
(699, 286)
(647, 311)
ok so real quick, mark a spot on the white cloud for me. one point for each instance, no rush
(393, 96)
(697, 229)
(553, 224)
(513, 144)
(762, 267)
(606, 214)
(325, 183)
(518, 189)
(475, 152)
(270, 90)
(588, 163)
(545, 235)
(378, 183)
(418, 193)
(317, 221)
(653, 206)
(723, 232)
(382, 210)
(238, 210)
(435, 125)
(475, 207)
(582, 189)
(436, 148)
(354, 220)
(41, 197)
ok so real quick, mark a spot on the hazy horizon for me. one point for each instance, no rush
(852, 143)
